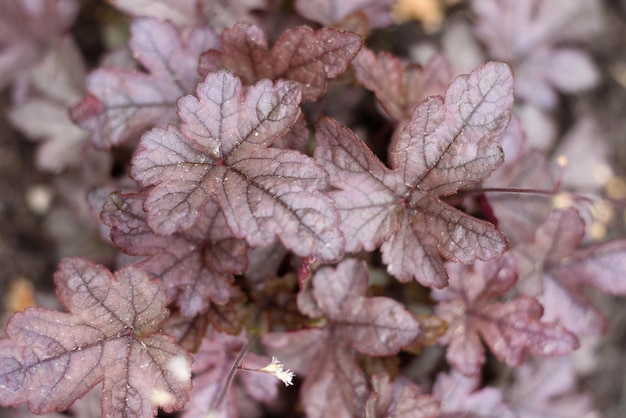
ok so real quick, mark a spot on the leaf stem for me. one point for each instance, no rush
(537, 192)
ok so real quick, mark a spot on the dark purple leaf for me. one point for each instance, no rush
(510, 328)
(394, 400)
(123, 103)
(377, 326)
(222, 150)
(302, 55)
(197, 264)
(445, 146)
(111, 335)
(399, 87)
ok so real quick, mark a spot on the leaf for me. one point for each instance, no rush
(180, 12)
(377, 326)
(110, 335)
(222, 150)
(445, 146)
(460, 396)
(213, 364)
(553, 267)
(300, 54)
(329, 12)
(26, 30)
(59, 78)
(548, 388)
(398, 86)
(531, 35)
(86, 407)
(197, 264)
(395, 400)
(218, 14)
(510, 328)
(335, 385)
(519, 215)
(123, 103)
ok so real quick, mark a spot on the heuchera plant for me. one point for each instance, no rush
(267, 231)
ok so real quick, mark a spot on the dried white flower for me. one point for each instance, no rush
(276, 368)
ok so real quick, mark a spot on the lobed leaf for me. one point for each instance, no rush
(330, 12)
(26, 30)
(197, 264)
(335, 385)
(554, 267)
(300, 54)
(123, 103)
(530, 35)
(461, 396)
(110, 335)
(222, 150)
(376, 326)
(213, 364)
(394, 400)
(400, 87)
(548, 387)
(445, 146)
(510, 328)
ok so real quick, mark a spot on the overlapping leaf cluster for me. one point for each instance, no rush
(245, 215)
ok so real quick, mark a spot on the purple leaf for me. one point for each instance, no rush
(461, 397)
(182, 13)
(59, 78)
(519, 215)
(26, 29)
(302, 55)
(399, 87)
(530, 34)
(548, 388)
(335, 387)
(394, 400)
(111, 335)
(213, 363)
(197, 264)
(222, 150)
(445, 146)
(553, 267)
(330, 12)
(510, 328)
(376, 326)
(123, 103)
